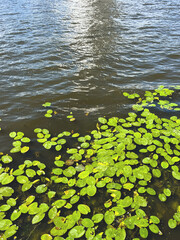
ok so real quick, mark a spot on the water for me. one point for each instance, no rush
(81, 56)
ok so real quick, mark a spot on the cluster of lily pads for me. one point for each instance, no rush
(102, 184)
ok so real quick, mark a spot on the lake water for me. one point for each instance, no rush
(81, 55)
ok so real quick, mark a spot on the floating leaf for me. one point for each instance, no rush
(6, 159)
(11, 231)
(46, 237)
(84, 209)
(52, 212)
(5, 224)
(24, 149)
(97, 217)
(154, 228)
(91, 190)
(172, 223)
(15, 215)
(109, 217)
(38, 218)
(59, 203)
(143, 232)
(77, 232)
(86, 222)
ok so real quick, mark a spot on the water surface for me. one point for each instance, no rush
(81, 55)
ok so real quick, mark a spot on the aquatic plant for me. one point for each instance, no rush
(102, 185)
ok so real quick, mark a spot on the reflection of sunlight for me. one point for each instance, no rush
(82, 17)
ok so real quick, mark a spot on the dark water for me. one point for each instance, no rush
(81, 55)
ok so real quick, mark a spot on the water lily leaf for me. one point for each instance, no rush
(84, 209)
(120, 234)
(30, 173)
(142, 223)
(156, 173)
(167, 192)
(51, 194)
(140, 213)
(86, 222)
(33, 208)
(24, 149)
(6, 191)
(48, 115)
(59, 203)
(43, 207)
(164, 164)
(15, 215)
(172, 223)
(119, 211)
(38, 218)
(162, 197)
(151, 191)
(72, 151)
(57, 171)
(25, 140)
(102, 120)
(12, 134)
(141, 190)
(143, 232)
(74, 199)
(176, 216)
(23, 208)
(47, 145)
(6, 159)
(18, 172)
(69, 172)
(128, 186)
(26, 186)
(52, 212)
(97, 217)
(17, 144)
(76, 232)
(109, 217)
(11, 202)
(154, 219)
(176, 175)
(91, 190)
(58, 147)
(41, 188)
(7, 179)
(11, 231)
(5, 224)
(154, 228)
(46, 237)
(68, 193)
(46, 104)
(4, 208)
(83, 174)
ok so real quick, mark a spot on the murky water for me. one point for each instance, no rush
(81, 55)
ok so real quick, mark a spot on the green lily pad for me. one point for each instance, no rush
(84, 209)
(172, 223)
(86, 222)
(15, 215)
(143, 232)
(98, 217)
(41, 188)
(46, 237)
(59, 203)
(77, 232)
(109, 217)
(5, 224)
(11, 231)
(6, 159)
(38, 218)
